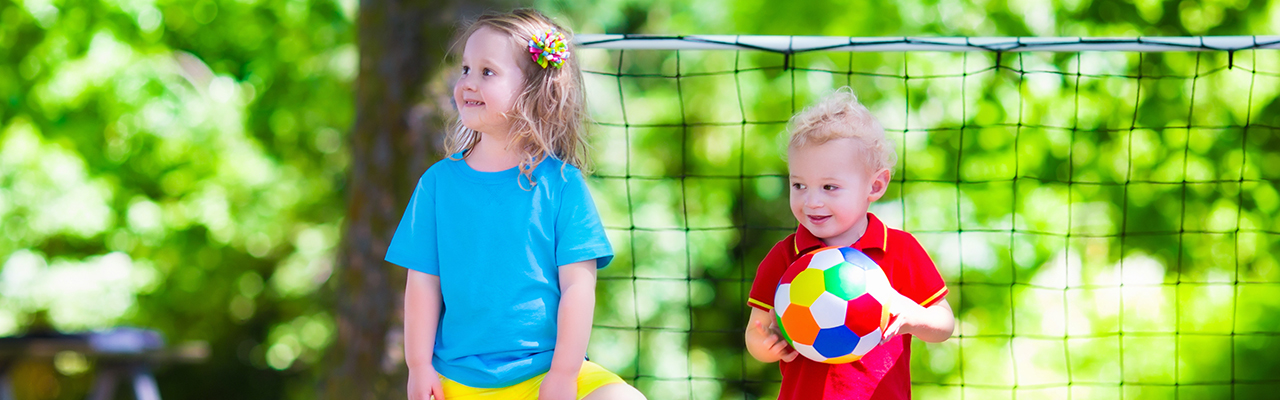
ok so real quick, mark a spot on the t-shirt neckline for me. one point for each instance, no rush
(460, 164)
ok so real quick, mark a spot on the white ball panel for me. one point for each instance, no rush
(867, 342)
(829, 310)
(809, 352)
(878, 286)
(782, 299)
(826, 259)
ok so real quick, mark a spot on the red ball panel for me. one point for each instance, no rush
(864, 314)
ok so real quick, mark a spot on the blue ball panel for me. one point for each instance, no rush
(857, 257)
(835, 342)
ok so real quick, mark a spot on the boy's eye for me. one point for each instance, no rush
(488, 71)
(828, 187)
(797, 186)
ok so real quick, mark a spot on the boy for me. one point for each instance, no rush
(840, 162)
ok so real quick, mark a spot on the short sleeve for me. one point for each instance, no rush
(579, 233)
(918, 278)
(414, 245)
(769, 273)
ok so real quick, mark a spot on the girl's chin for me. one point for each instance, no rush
(480, 128)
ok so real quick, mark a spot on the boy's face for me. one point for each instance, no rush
(831, 190)
(491, 78)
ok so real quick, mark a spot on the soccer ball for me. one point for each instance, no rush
(833, 305)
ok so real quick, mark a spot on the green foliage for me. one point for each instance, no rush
(177, 165)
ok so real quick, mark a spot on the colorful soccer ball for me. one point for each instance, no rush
(833, 304)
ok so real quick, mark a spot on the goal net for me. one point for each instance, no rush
(1105, 212)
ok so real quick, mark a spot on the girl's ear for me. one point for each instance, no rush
(879, 184)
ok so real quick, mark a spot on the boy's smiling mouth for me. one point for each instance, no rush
(818, 219)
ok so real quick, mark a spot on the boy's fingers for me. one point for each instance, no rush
(786, 352)
(892, 330)
(773, 342)
(790, 355)
(759, 327)
(781, 347)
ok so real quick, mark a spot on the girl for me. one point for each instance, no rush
(501, 239)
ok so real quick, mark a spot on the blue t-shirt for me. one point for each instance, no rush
(497, 248)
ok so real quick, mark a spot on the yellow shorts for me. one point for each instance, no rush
(591, 377)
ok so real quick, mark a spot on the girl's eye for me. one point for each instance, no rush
(797, 186)
(828, 187)
(488, 72)
(465, 70)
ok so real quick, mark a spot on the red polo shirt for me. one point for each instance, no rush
(885, 372)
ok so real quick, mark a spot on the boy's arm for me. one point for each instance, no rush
(763, 338)
(764, 342)
(933, 324)
(421, 319)
(573, 329)
(921, 285)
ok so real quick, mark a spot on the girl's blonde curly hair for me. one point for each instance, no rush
(548, 115)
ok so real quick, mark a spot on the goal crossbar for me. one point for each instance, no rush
(798, 44)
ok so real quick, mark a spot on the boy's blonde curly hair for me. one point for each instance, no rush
(549, 114)
(841, 116)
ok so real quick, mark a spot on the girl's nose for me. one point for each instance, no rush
(465, 83)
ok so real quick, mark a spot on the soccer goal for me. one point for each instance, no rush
(1106, 212)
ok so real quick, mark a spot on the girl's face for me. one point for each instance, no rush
(491, 79)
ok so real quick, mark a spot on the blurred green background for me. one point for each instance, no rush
(230, 172)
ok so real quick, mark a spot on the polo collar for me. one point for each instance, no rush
(876, 236)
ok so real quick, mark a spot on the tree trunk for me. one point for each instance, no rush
(402, 104)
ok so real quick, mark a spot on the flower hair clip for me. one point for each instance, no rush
(550, 48)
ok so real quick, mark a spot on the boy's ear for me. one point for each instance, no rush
(879, 184)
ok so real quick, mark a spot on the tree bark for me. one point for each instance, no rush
(402, 105)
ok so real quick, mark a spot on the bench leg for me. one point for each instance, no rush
(6, 383)
(144, 384)
(104, 383)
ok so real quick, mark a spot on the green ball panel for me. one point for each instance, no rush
(785, 335)
(846, 281)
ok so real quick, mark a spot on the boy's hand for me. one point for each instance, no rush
(425, 385)
(558, 386)
(904, 314)
(933, 324)
(902, 323)
(772, 339)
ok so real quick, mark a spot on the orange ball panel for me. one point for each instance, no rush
(800, 325)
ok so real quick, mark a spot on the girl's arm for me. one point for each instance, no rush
(933, 324)
(421, 318)
(573, 329)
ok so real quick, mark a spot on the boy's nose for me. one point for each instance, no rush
(812, 201)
